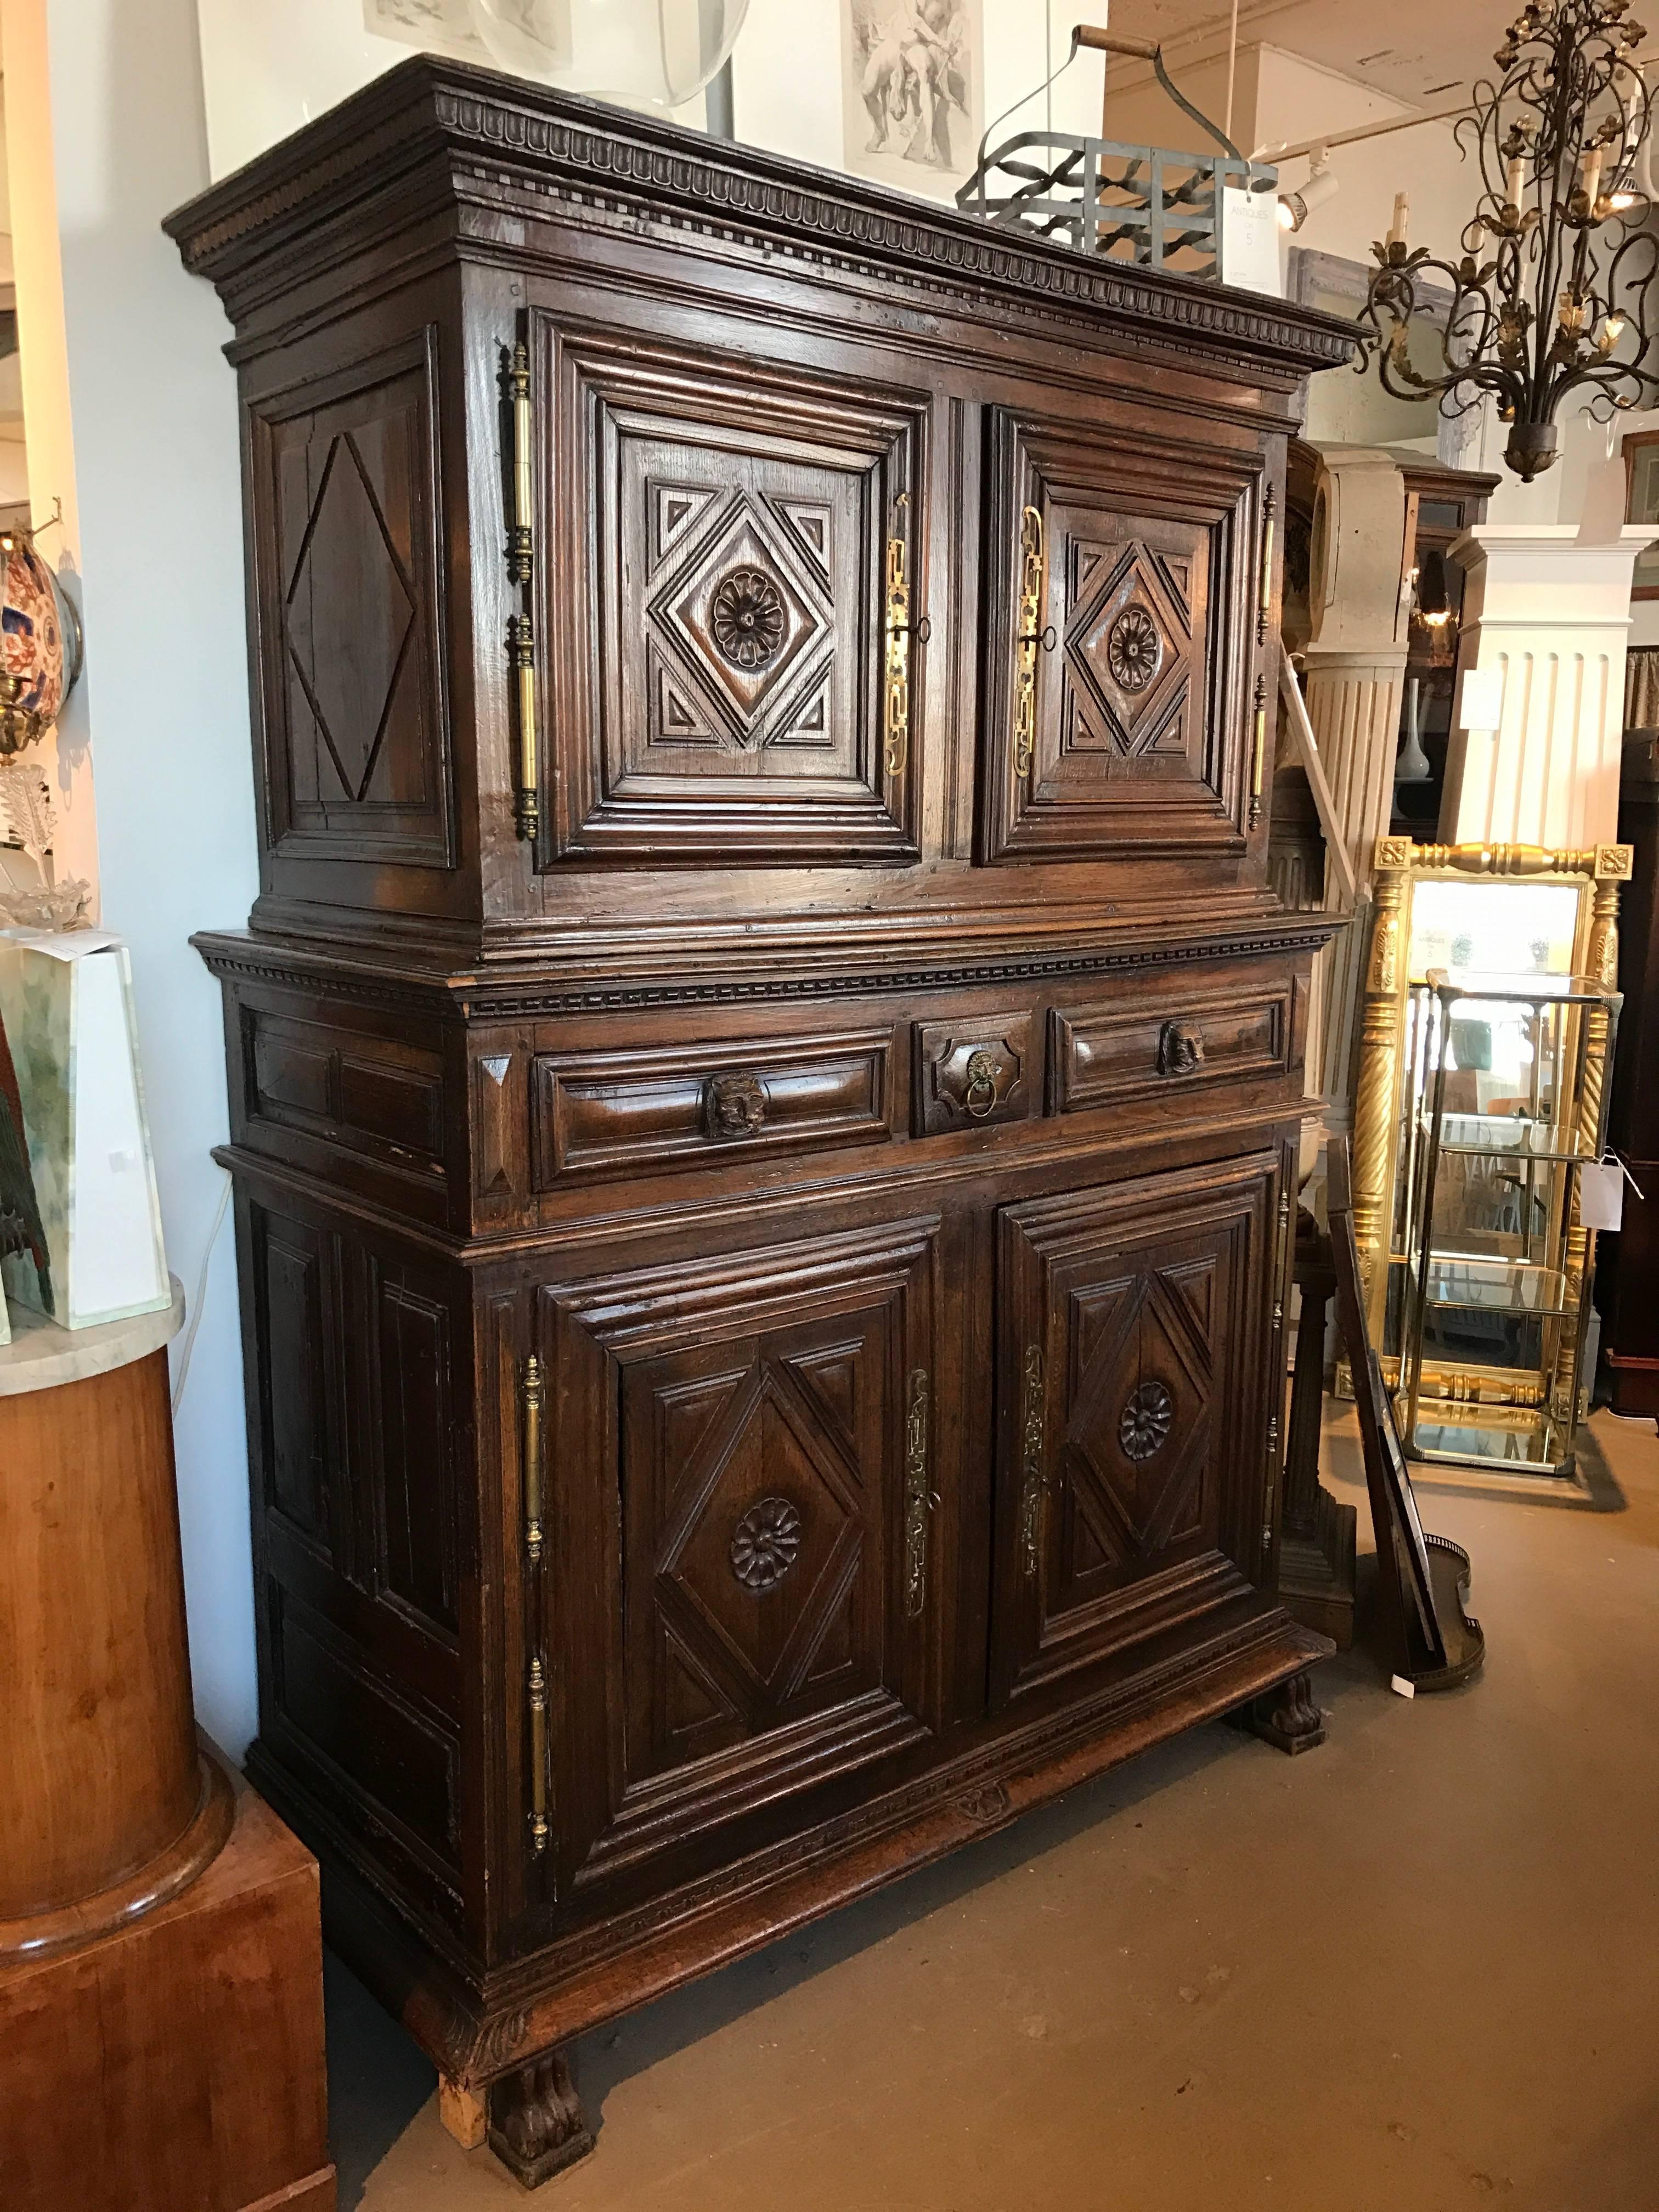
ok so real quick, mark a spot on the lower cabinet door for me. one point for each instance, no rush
(1132, 1327)
(741, 1601)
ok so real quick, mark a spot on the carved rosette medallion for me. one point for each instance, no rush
(766, 1544)
(748, 618)
(1143, 1425)
(1134, 651)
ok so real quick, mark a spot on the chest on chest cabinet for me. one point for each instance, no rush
(765, 1076)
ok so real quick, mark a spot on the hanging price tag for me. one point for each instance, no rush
(1601, 1191)
(1602, 1194)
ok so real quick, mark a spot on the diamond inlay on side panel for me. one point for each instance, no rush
(347, 648)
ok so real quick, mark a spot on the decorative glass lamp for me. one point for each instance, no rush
(659, 50)
(40, 650)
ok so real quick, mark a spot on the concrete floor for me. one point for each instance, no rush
(1414, 1969)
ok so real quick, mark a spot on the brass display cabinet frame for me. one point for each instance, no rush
(1465, 1393)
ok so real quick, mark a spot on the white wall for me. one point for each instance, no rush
(267, 69)
(154, 409)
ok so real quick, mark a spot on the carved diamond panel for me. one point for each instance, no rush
(743, 619)
(1139, 1401)
(1138, 715)
(766, 1541)
(1128, 649)
(345, 505)
(728, 1587)
(347, 651)
(718, 625)
(1147, 1301)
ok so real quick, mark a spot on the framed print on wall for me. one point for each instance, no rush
(911, 96)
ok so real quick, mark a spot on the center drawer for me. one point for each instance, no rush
(671, 1105)
(1110, 1054)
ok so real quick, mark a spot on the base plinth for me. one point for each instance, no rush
(176, 2059)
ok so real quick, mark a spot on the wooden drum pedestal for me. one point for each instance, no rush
(161, 1962)
(109, 1806)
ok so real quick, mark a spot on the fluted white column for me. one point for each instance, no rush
(1356, 667)
(1546, 624)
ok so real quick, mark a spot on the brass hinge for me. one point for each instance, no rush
(918, 1500)
(530, 1395)
(538, 1829)
(898, 646)
(1027, 638)
(518, 543)
(1264, 612)
(1031, 1485)
(521, 659)
(1258, 750)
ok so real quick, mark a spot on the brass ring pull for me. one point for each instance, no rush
(981, 1097)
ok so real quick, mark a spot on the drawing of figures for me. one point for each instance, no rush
(911, 66)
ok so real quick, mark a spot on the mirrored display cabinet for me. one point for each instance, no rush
(1490, 1020)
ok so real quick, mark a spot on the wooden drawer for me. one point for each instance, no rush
(672, 1106)
(1105, 1055)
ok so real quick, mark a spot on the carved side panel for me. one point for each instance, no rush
(414, 1435)
(346, 501)
(1137, 697)
(369, 1094)
(1125, 1470)
(761, 1641)
(295, 1292)
(358, 1567)
(715, 636)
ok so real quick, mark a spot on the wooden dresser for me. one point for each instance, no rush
(765, 1071)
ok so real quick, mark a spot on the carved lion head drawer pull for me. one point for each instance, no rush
(1180, 1049)
(980, 1097)
(732, 1106)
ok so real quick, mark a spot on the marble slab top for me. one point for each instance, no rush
(43, 1357)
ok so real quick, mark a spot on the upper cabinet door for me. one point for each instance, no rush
(1119, 642)
(717, 611)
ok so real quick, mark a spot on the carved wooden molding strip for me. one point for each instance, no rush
(391, 126)
(511, 1001)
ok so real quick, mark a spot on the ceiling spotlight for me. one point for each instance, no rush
(1295, 207)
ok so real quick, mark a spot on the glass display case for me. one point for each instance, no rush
(1488, 1032)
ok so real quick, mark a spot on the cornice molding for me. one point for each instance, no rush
(502, 997)
(428, 111)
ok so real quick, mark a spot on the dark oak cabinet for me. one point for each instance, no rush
(764, 1071)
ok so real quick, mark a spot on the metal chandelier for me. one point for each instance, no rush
(1552, 294)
